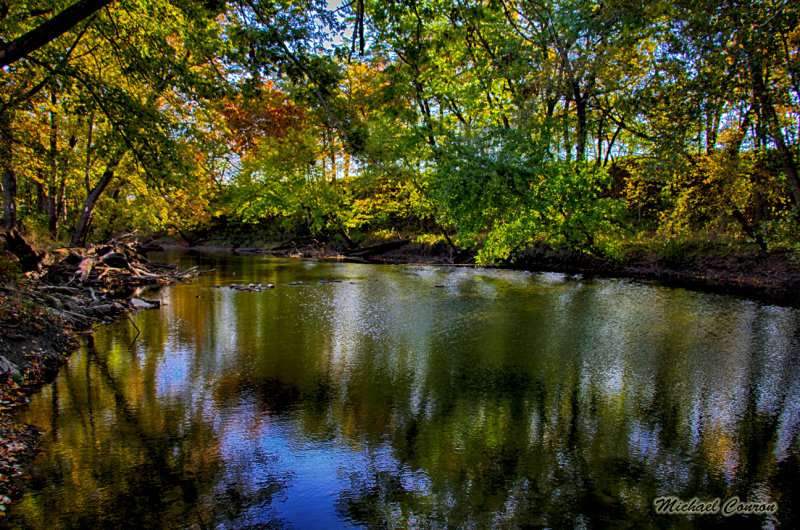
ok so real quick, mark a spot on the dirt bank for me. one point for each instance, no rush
(769, 277)
(34, 344)
(64, 293)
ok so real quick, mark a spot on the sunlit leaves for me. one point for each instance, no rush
(267, 114)
(495, 122)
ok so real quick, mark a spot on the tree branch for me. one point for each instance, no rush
(49, 31)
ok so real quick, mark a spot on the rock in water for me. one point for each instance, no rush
(138, 303)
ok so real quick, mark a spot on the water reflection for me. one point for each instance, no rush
(420, 396)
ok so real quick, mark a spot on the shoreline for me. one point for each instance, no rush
(35, 344)
(40, 321)
(772, 278)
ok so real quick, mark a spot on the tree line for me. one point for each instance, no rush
(489, 125)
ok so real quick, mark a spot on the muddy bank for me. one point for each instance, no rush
(768, 277)
(34, 343)
(64, 293)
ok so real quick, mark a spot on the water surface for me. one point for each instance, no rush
(419, 396)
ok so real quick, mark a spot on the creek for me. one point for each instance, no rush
(419, 396)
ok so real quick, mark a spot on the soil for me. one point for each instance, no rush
(33, 345)
(772, 278)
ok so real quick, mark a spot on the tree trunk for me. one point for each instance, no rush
(581, 112)
(41, 197)
(9, 198)
(60, 204)
(82, 229)
(581, 133)
(600, 132)
(789, 164)
(332, 145)
(9, 179)
(29, 260)
(774, 128)
(567, 141)
(713, 118)
(109, 233)
(52, 210)
(377, 249)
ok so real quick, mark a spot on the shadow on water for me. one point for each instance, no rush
(418, 397)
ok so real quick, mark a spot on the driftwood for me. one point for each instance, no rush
(84, 270)
(115, 259)
(109, 266)
(122, 238)
(138, 303)
(59, 289)
(270, 252)
(84, 286)
(303, 241)
(103, 310)
(296, 246)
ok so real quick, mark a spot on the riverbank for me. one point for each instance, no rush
(34, 344)
(772, 277)
(65, 293)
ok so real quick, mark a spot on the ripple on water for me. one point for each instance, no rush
(497, 398)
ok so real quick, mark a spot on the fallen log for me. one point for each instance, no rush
(70, 316)
(115, 259)
(105, 310)
(192, 271)
(139, 303)
(119, 239)
(143, 248)
(59, 289)
(74, 258)
(167, 266)
(319, 240)
(139, 273)
(69, 277)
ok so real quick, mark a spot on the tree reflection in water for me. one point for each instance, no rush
(503, 399)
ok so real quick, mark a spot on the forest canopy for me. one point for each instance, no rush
(490, 125)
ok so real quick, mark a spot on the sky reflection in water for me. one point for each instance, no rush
(419, 396)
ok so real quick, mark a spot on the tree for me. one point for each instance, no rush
(115, 98)
(49, 30)
(9, 178)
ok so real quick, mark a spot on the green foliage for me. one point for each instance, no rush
(782, 232)
(583, 124)
(9, 269)
(507, 192)
(732, 197)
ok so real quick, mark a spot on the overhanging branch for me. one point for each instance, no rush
(49, 31)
